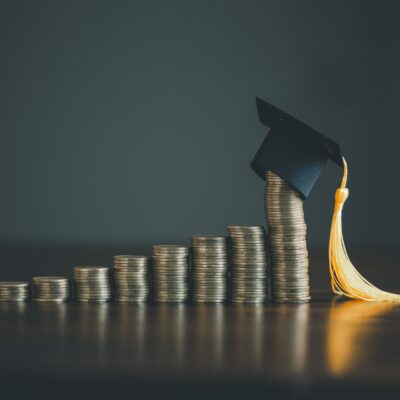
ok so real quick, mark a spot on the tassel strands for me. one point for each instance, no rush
(345, 279)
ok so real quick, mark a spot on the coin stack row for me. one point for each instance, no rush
(287, 236)
(249, 264)
(15, 291)
(131, 278)
(170, 273)
(51, 288)
(209, 269)
(92, 284)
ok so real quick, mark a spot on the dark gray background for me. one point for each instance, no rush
(133, 122)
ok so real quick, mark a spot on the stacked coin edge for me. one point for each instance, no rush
(131, 278)
(170, 273)
(92, 283)
(249, 264)
(51, 289)
(287, 238)
(15, 291)
(209, 269)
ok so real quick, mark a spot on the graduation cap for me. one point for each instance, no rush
(297, 153)
(293, 150)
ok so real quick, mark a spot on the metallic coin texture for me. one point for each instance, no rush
(249, 264)
(170, 273)
(287, 239)
(209, 269)
(11, 291)
(92, 283)
(51, 289)
(131, 278)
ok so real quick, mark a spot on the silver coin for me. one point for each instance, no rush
(137, 280)
(210, 268)
(219, 251)
(210, 284)
(210, 293)
(242, 228)
(129, 268)
(163, 295)
(170, 261)
(92, 269)
(52, 287)
(87, 300)
(131, 300)
(14, 299)
(50, 279)
(209, 277)
(209, 274)
(247, 300)
(291, 280)
(247, 261)
(49, 300)
(134, 258)
(170, 285)
(131, 275)
(209, 239)
(14, 284)
(136, 288)
(294, 301)
(171, 267)
(291, 289)
(171, 276)
(289, 267)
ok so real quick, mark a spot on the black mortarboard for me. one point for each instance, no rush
(292, 150)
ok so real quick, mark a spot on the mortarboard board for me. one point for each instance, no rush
(298, 153)
(293, 150)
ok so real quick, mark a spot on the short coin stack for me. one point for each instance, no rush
(92, 284)
(131, 278)
(249, 264)
(287, 236)
(209, 269)
(15, 291)
(170, 273)
(51, 288)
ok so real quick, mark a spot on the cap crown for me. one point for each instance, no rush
(292, 150)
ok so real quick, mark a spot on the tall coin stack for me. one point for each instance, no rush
(51, 288)
(249, 264)
(287, 235)
(15, 291)
(92, 284)
(170, 273)
(131, 278)
(209, 269)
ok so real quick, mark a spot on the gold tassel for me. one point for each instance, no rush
(345, 279)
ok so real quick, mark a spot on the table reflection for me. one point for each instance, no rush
(350, 333)
(292, 337)
(254, 340)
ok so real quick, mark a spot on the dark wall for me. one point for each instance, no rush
(134, 121)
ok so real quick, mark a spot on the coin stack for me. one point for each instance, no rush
(287, 236)
(170, 273)
(209, 269)
(15, 291)
(249, 264)
(131, 278)
(51, 288)
(92, 284)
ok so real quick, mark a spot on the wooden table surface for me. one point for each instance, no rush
(327, 348)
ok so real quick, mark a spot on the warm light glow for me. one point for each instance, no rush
(346, 326)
